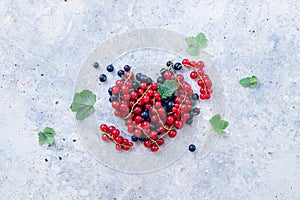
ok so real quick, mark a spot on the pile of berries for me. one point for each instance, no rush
(149, 115)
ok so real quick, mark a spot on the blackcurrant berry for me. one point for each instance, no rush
(145, 114)
(110, 99)
(110, 91)
(189, 121)
(95, 64)
(196, 111)
(143, 78)
(192, 148)
(110, 68)
(177, 66)
(121, 73)
(102, 78)
(142, 139)
(191, 113)
(127, 68)
(160, 79)
(135, 85)
(169, 63)
(138, 76)
(148, 80)
(134, 138)
(114, 97)
(195, 96)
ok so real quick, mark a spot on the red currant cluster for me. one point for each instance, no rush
(198, 74)
(113, 134)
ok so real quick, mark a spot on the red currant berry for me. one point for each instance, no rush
(180, 77)
(105, 137)
(119, 83)
(170, 119)
(193, 75)
(111, 129)
(115, 133)
(146, 124)
(137, 132)
(140, 91)
(200, 64)
(115, 90)
(160, 141)
(124, 89)
(129, 121)
(154, 148)
(138, 119)
(130, 128)
(200, 83)
(185, 62)
(154, 118)
(178, 124)
(193, 63)
(161, 129)
(172, 133)
(148, 106)
(150, 92)
(154, 86)
(118, 147)
(158, 104)
(123, 107)
(146, 98)
(143, 86)
(167, 75)
(156, 96)
(118, 113)
(147, 143)
(125, 97)
(208, 82)
(161, 111)
(125, 141)
(207, 96)
(130, 144)
(137, 110)
(119, 139)
(176, 115)
(153, 135)
(202, 96)
(134, 95)
(103, 127)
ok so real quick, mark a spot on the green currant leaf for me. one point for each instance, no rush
(193, 103)
(47, 136)
(193, 50)
(191, 41)
(249, 82)
(83, 104)
(201, 40)
(167, 88)
(218, 124)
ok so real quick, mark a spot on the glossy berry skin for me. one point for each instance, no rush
(134, 138)
(154, 148)
(105, 137)
(193, 75)
(178, 124)
(102, 78)
(127, 68)
(121, 73)
(160, 79)
(192, 148)
(110, 68)
(195, 96)
(196, 111)
(189, 121)
(185, 62)
(177, 66)
(103, 127)
(167, 75)
(169, 63)
(95, 64)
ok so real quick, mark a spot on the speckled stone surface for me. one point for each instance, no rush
(42, 46)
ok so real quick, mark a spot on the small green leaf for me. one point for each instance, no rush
(201, 40)
(191, 41)
(249, 82)
(196, 43)
(218, 124)
(193, 103)
(83, 104)
(193, 50)
(47, 136)
(167, 88)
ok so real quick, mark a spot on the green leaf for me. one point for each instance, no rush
(201, 40)
(167, 88)
(196, 43)
(249, 82)
(193, 103)
(83, 104)
(47, 136)
(218, 124)
(191, 41)
(193, 50)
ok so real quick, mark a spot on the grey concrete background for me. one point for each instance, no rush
(42, 46)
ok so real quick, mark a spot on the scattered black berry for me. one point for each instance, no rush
(189, 121)
(110, 68)
(127, 68)
(196, 111)
(138, 76)
(102, 78)
(195, 96)
(135, 85)
(192, 148)
(134, 138)
(121, 73)
(169, 63)
(160, 79)
(177, 66)
(109, 92)
(96, 65)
